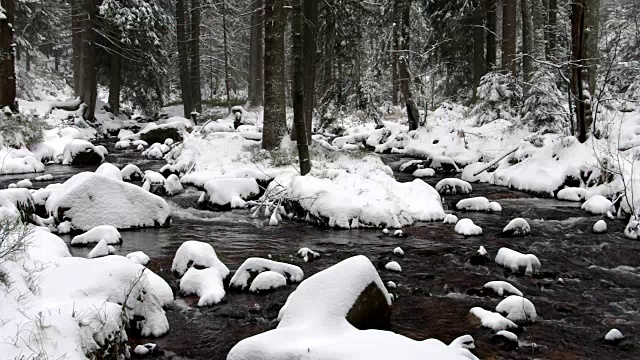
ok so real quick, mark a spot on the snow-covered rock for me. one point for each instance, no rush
(597, 205)
(153, 182)
(172, 185)
(391, 285)
(632, 229)
(197, 253)
(101, 249)
(600, 227)
(466, 227)
(82, 152)
(427, 172)
(502, 287)
(450, 219)
(140, 148)
(206, 283)
(614, 335)
(138, 257)
(518, 262)
(480, 257)
(393, 266)
(453, 186)
(24, 184)
(509, 338)
(102, 232)
(123, 144)
(464, 341)
(398, 233)
(88, 200)
(228, 193)
(268, 280)
(492, 320)
(145, 350)
(479, 203)
(307, 254)
(517, 227)
(19, 161)
(45, 177)
(110, 170)
(153, 154)
(573, 194)
(398, 251)
(131, 173)
(495, 207)
(173, 128)
(139, 143)
(257, 265)
(168, 141)
(517, 309)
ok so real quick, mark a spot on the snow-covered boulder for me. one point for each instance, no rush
(427, 172)
(153, 182)
(517, 309)
(138, 257)
(450, 219)
(257, 265)
(466, 227)
(122, 145)
(17, 204)
(495, 207)
(213, 127)
(173, 128)
(228, 193)
(572, 194)
(393, 266)
(632, 230)
(19, 161)
(600, 227)
(479, 203)
(110, 170)
(502, 287)
(153, 154)
(88, 200)
(307, 254)
(492, 320)
(101, 249)
(453, 186)
(82, 152)
(517, 227)
(197, 253)
(398, 251)
(597, 205)
(509, 339)
(206, 283)
(24, 184)
(139, 143)
(266, 281)
(518, 262)
(102, 232)
(172, 185)
(131, 173)
(614, 336)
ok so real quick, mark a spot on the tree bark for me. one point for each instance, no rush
(395, 83)
(7, 60)
(195, 55)
(413, 114)
(310, 49)
(509, 15)
(527, 44)
(298, 88)
(491, 34)
(256, 62)
(592, 28)
(227, 81)
(183, 58)
(76, 40)
(89, 72)
(329, 53)
(478, 50)
(538, 16)
(115, 83)
(275, 125)
(551, 29)
(578, 76)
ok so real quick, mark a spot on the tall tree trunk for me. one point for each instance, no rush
(592, 28)
(538, 20)
(413, 114)
(552, 29)
(395, 86)
(275, 125)
(227, 81)
(298, 88)
(491, 34)
(527, 44)
(195, 55)
(89, 72)
(56, 59)
(509, 15)
(310, 49)
(76, 40)
(183, 58)
(478, 50)
(579, 78)
(256, 62)
(329, 52)
(27, 59)
(7, 60)
(115, 83)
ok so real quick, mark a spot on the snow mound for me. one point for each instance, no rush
(229, 192)
(600, 227)
(257, 265)
(572, 194)
(614, 335)
(307, 254)
(502, 287)
(393, 266)
(168, 141)
(19, 162)
(516, 308)
(631, 231)
(138, 257)
(494, 207)
(508, 335)
(101, 249)
(479, 203)
(206, 283)
(398, 251)
(427, 172)
(172, 185)
(518, 262)
(88, 200)
(110, 170)
(453, 186)
(268, 280)
(46, 177)
(517, 227)
(82, 152)
(131, 173)
(450, 219)
(492, 320)
(391, 285)
(102, 232)
(466, 227)
(197, 253)
(597, 205)
(24, 184)
(122, 145)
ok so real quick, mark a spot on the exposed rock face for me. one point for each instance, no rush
(371, 310)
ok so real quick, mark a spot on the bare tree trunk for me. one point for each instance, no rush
(491, 34)
(227, 81)
(310, 48)
(76, 40)
(478, 50)
(7, 60)
(527, 44)
(509, 15)
(115, 84)
(89, 72)
(413, 114)
(275, 125)
(183, 58)
(256, 70)
(27, 59)
(592, 27)
(195, 55)
(298, 88)
(552, 28)
(395, 86)
(578, 77)
(329, 53)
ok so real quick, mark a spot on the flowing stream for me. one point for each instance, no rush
(588, 285)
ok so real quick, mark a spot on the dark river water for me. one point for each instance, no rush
(588, 285)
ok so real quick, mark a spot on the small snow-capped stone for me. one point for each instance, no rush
(494, 207)
(138, 257)
(385, 231)
(614, 335)
(464, 341)
(482, 251)
(46, 177)
(516, 308)
(123, 144)
(206, 283)
(12, 186)
(398, 251)
(391, 285)
(140, 148)
(101, 249)
(450, 219)
(426, 172)
(107, 233)
(64, 228)
(141, 350)
(398, 233)
(307, 254)
(168, 141)
(600, 227)
(25, 184)
(172, 185)
(393, 266)
(631, 230)
(268, 280)
(502, 287)
(597, 205)
(528, 263)
(111, 249)
(492, 320)
(508, 335)
(479, 203)
(453, 186)
(392, 297)
(468, 228)
(517, 227)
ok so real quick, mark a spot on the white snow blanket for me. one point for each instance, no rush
(88, 200)
(19, 161)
